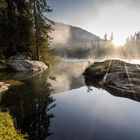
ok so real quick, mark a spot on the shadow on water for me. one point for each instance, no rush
(29, 104)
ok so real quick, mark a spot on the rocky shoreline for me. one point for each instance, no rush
(23, 63)
(22, 67)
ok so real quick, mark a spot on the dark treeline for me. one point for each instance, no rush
(103, 50)
(24, 28)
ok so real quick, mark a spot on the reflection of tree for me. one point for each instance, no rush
(29, 105)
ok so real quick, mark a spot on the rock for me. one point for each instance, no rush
(3, 87)
(20, 56)
(117, 77)
(22, 63)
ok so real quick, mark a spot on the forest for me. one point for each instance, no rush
(69, 70)
(25, 28)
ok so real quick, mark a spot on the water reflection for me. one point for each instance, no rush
(79, 114)
(29, 104)
(68, 75)
(113, 91)
(95, 115)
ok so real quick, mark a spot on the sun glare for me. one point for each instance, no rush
(118, 42)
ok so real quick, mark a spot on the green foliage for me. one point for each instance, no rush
(7, 130)
(15, 27)
(42, 27)
(24, 28)
(47, 55)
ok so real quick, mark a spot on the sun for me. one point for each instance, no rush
(118, 43)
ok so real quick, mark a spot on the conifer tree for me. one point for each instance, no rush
(42, 26)
(15, 27)
(25, 28)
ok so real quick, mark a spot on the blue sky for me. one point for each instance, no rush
(63, 9)
(99, 16)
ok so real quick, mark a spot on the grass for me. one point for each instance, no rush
(7, 129)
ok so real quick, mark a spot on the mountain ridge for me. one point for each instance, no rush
(65, 35)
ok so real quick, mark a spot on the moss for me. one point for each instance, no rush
(3, 65)
(7, 130)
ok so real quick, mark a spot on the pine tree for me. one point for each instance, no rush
(15, 27)
(42, 26)
(25, 28)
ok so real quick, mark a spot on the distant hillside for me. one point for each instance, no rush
(69, 36)
(74, 42)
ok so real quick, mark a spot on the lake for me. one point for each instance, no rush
(57, 105)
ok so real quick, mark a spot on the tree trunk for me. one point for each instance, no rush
(36, 32)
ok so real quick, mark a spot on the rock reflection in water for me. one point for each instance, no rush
(95, 115)
(29, 104)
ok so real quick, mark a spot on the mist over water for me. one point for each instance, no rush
(68, 74)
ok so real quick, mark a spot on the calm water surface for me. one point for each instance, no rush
(58, 106)
(82, 115)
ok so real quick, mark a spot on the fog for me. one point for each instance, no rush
(68, 74)
(61, 34)
(99, 16)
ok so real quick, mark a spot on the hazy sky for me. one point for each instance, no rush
(99, 16)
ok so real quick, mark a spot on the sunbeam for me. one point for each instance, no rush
(129, 80)
(118, 42)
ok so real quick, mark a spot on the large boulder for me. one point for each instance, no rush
(23, 63)
(117, 77)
